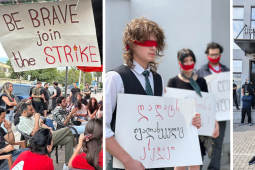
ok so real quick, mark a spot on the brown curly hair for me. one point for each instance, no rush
(139, 30)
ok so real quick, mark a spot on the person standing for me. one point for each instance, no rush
(213, 52)
(246, 108)
(36, 94)
(87, 92)
(247, 86)
(234, 95)
(45, 98)
(57, 92)
(73, 92)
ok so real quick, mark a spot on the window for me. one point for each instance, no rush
(237, 66)
(253, 22)
(238, 15)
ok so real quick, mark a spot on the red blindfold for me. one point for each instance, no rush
(145, 44)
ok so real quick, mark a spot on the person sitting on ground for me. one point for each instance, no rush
(69, 104)
(92, 108)
(100, 102)
(43, 120)
(246, 108)
(38, 154)
(100, 111)
(91, 143)
(82, 112)
(7, 149)
(79, 98)
(61, 115)
(30, 124)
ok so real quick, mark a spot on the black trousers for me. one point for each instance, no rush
(235, 99)
(38, 106)
(248, 111)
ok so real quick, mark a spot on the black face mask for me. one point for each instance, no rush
(47, 88)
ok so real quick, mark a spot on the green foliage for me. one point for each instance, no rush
(2, 74)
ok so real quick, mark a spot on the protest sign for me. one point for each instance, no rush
(49, 35)
(204, 105)
(157, 131)
(219, 85)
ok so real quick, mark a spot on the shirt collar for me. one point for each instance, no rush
(139, 69)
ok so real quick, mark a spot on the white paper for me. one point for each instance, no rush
(204, 105)
(139, 113)
(219, 85)
(70, 34)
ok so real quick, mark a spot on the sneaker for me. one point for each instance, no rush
(237, 108)
(65, 167)
(249, 124)
(252, 161)
(240, 124)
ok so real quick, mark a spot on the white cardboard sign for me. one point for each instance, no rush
(219, 85)
(157, 131)
(204, 105)
(49, 35)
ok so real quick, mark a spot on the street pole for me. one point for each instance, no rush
(66, 82)
(83, 83)
(80, 80)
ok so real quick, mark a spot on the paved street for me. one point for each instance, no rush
(243, 146)
(61, 152)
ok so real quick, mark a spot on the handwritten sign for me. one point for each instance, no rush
(204, 105)
(48, 35)
(157, 131)
(219, 85)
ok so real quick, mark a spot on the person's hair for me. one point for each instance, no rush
(185, 52)
(39, 82)
(1, 110)
(70, 100)
(93, 147)
(78, 104)
(247, 79)
(24, 107)
(39, 142)
(90, 107)
(55, 83)
(20, 103)
(59, 100)
(213, 45)
(45, 84)
(5, 89)
(140, 29)
(79, 93)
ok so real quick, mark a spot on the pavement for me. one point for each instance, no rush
(243, 146)
(61, 152)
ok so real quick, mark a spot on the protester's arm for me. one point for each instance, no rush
(9, 137)
(89, 113)
(33, 93)
(234, 88)
(216, 131)
(7, 101)
(36, 127)
(55, 94)
(43, 97)
(71, 93)
(93, 114)
(73, 112)
(7, 149)
(76, 152)
(242, 91)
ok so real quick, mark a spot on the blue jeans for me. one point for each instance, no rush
(15, 155)
(80, 129)
(49, 123)
(8, 117)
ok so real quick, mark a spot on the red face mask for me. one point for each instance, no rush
(147, 43)
(187, 67)
(217, 60)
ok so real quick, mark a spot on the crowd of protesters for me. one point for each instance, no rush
(30, 117)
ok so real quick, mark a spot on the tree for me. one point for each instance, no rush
(2, 74)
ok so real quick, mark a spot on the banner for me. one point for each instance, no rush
(219, 85)
(204, 105)
(49, 35)
(157, 131)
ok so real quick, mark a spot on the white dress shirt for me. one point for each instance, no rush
(217, 68)
(114, 85)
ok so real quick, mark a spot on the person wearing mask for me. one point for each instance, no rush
(73, 92)
(143, 42)
(247, 86)
(234, 94)
(91, 143)
(187, 80)
(87, 92)
(213, 52)
(246, 107)
(57, 92)
(9, 101)
(6, 141)
(92, 108)
(45, 98)
(36, 94)
(38, 155)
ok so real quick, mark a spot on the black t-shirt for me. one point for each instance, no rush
(248, 87)
(234, 91)
(84, 101)
(2, 142)
(10, 99)
(46, 93)
(74, 91)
